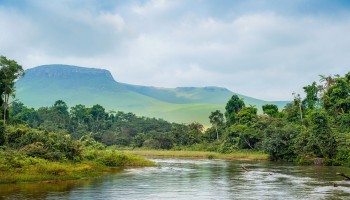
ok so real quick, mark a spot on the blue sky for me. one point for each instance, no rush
(266, 49)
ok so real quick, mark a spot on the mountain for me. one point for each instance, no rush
(43, 85)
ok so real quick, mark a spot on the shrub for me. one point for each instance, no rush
(36, 149)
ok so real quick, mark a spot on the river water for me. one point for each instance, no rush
(197, 179)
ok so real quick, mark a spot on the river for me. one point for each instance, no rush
(197, 179)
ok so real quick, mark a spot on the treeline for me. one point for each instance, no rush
(110, 128)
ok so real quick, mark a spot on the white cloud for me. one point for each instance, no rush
(260, 53)
(114, 20)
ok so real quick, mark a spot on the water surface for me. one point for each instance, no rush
(197, 179)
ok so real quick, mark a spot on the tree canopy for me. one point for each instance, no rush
(10, 71)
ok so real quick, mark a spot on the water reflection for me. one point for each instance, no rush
(197, 179)
(42, 190)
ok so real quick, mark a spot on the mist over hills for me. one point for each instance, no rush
(43, 85)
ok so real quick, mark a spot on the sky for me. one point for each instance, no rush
(265, 49)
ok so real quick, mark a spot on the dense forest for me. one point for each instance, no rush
(314, 128)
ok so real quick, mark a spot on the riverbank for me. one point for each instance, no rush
(15, 167)
(237, 155)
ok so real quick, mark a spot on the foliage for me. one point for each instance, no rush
(270, 109)
(10, 71)
(278, 141)
(116, 159)
(233, 106)
(216, 119)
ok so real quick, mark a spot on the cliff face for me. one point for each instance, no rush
(68, 72)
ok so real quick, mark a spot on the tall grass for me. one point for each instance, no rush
(15, 167)
(236, 155)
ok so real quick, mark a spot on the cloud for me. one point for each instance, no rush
(260, 49)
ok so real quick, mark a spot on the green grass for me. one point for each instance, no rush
(43, 170)
(15, 167)
(237, 155)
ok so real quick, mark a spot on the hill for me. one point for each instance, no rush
(43, 85)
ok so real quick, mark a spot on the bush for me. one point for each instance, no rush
(37, 143)
(115, 159)
(36, 149)
(279, 141)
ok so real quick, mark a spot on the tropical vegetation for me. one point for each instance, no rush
(313, 129)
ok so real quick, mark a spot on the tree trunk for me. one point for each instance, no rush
(246, 141)
(217, 133)
(5, 108)
(6, 99)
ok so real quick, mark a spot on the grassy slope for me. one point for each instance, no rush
(42, 86)
(127, 101)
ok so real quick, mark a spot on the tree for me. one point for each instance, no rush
(2, 134)
(248, 115)
(194, 133)
(80, 114)
(98, 112)
(270, 109)
(233, 106)
(60, 113)
(336, 99)
(297, 101)
(216, 119)
(311, 98)
(19, 112)
(10, 71)
(327, 81)
(98, 115)
(322, 140)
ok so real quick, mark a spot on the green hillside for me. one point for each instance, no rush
(43, 85)
(197, 95)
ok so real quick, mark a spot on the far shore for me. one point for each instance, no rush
(237, 155)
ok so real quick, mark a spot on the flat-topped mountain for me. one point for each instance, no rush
(43, 85)
(67, 71)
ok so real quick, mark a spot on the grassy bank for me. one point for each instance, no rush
(15, 167)
(237, 155)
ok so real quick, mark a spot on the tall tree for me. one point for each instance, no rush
(233, 106)
(216, 119)
(10, 71)
(311, 99)
(327, 81)
(60, 113)
(297, 102)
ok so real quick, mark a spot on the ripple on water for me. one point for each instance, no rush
(185, 161)
(157, 170)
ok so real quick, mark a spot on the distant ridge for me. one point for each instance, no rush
(43, 85)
